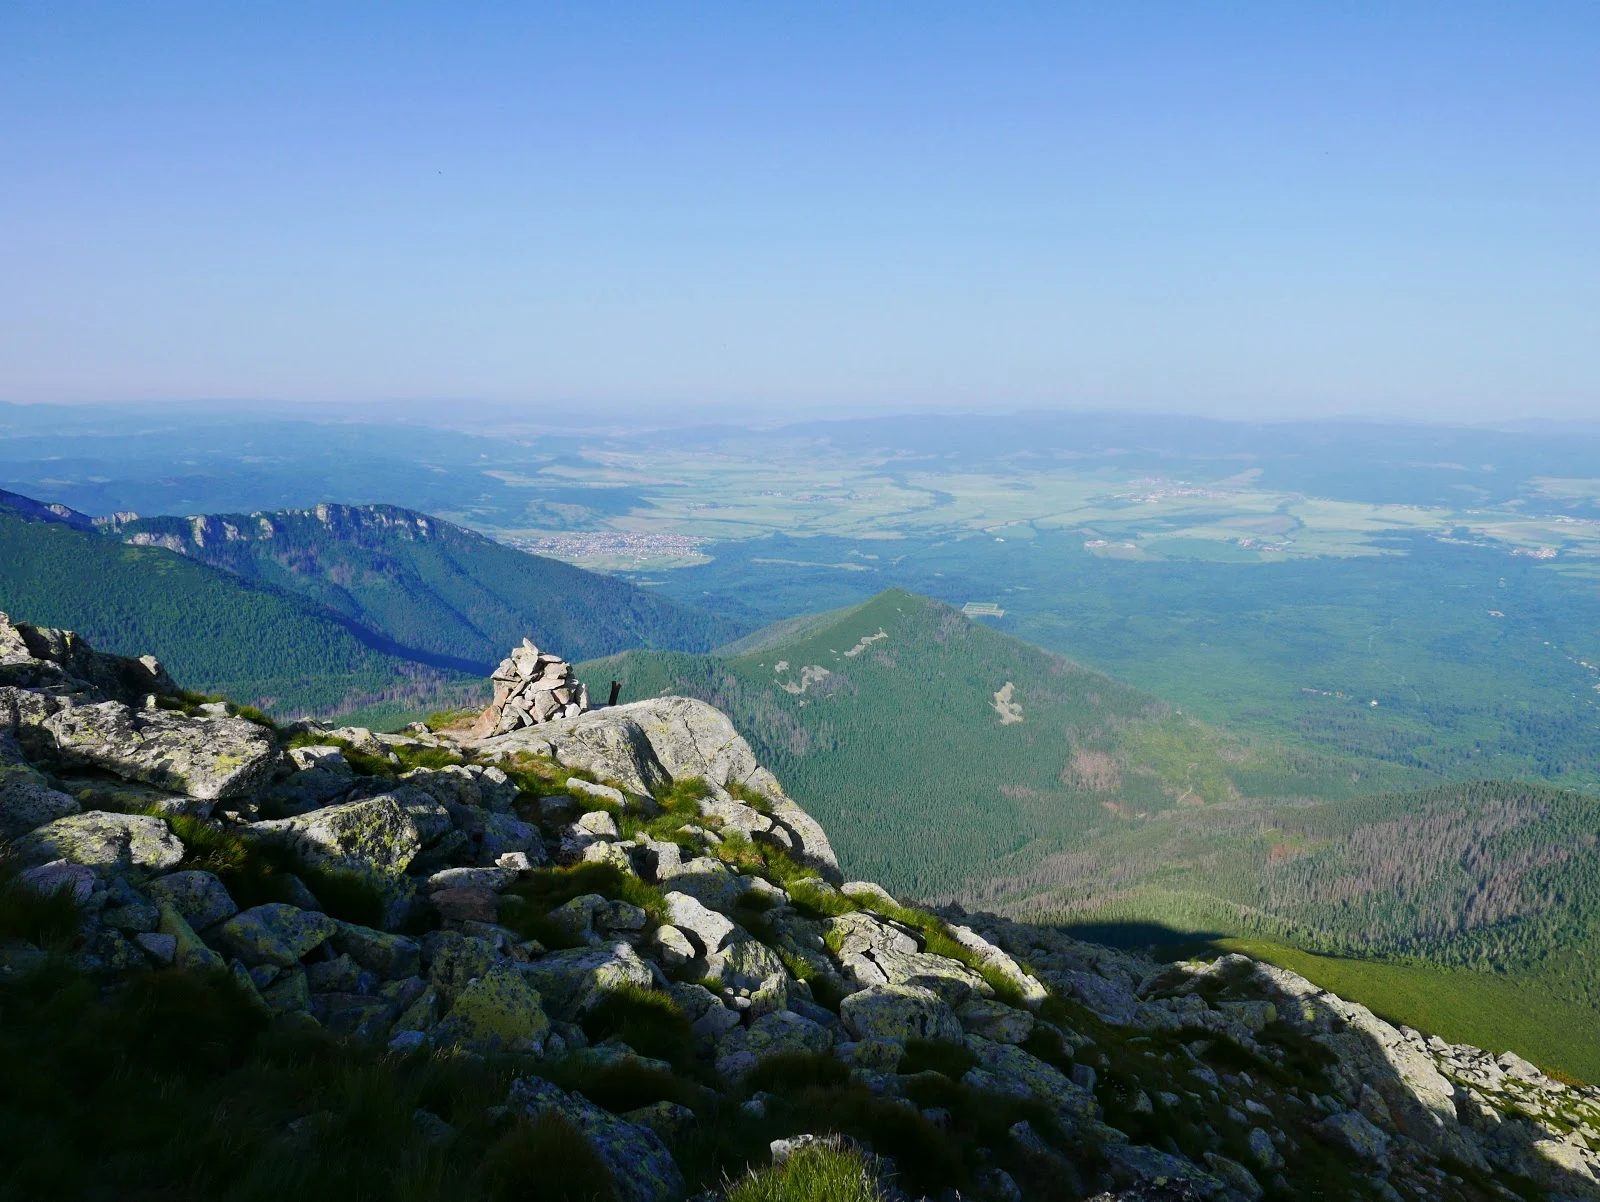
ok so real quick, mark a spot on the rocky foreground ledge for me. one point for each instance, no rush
(623, 915)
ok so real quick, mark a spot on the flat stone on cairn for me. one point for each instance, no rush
(530, 687)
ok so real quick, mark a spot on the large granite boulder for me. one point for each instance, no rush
(899, 1013)
(646, 745)
(276, 933)
(572, 982)
(26, 799)
(376, 835)
(200, 897)
(495, 1012)
(111, 844)
(740, 1048)
(210, 758)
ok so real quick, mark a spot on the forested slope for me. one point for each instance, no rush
(212, 630)
(902, 717)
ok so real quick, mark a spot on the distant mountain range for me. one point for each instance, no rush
(326, 609)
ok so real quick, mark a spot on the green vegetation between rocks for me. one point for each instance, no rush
(815, 1174)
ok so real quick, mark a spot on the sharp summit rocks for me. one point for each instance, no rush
(623, 910)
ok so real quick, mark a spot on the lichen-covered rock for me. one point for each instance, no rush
(502, 834)
(1140, 1165)
(26, 799)
(190, 951)
(1352, 1132)
(1031, 992)
(995, 1021)
(899, 1012)
(454, 960)
(111, 844)
(950, 979)
(497, 1011)
(199, 896)
(571, 982)
(1044, 1081)
(60, 876)
(745, 964)
(275, 933)
(376, 835)
(642, 1169)
(709, 930)
(390, 957)
(740, 1049)
(200, 757)
(466, 905)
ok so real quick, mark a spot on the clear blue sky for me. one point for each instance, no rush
(1273, 209)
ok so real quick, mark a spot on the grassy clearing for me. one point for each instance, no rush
(1488, 1011)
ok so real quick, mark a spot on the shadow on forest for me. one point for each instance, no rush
(1141, 936)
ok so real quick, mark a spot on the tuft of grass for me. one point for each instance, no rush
(518, 1167)
(449, 719)
(346, 894)
(649, 1022)
(814, 1174)
(427, 757)
(791, 1072)
(938, 1055)
(683, 796)
(46, 920)
(542, 890)
(751, 798)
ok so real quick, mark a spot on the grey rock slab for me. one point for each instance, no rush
(199, 896)
(709, 929)
(111, 844)
(472, 878)
(1137, 1164)
(1352, 1132)
(60, 876)
(275, 933)
(745, 964)
(572, 982)
(899, 1013)
(26, 799)
(378, 834)
(647, 745)
(201, 757)
(162, 949)
(740, 1048)
(996, 1021)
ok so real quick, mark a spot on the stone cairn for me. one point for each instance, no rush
(531, 687)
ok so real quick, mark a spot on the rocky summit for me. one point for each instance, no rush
(601, 953)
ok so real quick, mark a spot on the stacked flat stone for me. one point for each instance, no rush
(531, 687)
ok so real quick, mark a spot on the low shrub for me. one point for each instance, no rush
(939, 1055)
(46, 920)
(346, 894)
(649, 1022)
(518, 1166)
